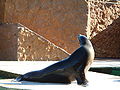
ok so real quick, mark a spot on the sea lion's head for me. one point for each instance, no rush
(83, 39)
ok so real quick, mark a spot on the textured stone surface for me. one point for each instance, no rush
(2, 10)
(101, 14)
(107, 42)
(60, 21)
(32, 46)
(8, 42)
(20, 43)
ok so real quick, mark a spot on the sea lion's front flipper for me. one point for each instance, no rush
(80, 76)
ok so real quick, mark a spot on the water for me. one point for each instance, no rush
(2, 88)
(107, 70)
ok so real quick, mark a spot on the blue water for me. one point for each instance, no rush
(2, 88)
(107, 70)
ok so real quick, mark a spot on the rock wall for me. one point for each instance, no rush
(32, 46)
(8, 42)
(60, 21)
(101, 14)
(107, 42)
(2, 10)
(20, 43)
(104, 33)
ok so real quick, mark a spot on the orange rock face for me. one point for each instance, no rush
(107, 42)
(60, 21)
(101, 15)
(20, 43)
(104, 29)
(8, 42)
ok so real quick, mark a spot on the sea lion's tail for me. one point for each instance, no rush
(20, 78)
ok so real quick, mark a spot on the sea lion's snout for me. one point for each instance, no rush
(82, 39)
(78, 36)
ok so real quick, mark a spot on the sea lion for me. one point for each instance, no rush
(72, 68)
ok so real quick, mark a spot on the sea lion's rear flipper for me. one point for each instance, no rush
(20, 78)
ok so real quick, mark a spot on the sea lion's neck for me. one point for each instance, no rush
(87, 43)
